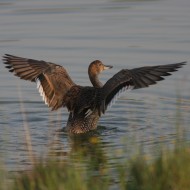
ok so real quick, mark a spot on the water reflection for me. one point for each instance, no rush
(124, 33)
(85, 148)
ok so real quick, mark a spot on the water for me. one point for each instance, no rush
(125, 34)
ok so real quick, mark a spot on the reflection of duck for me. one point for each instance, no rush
(86, 147)
(85, 104)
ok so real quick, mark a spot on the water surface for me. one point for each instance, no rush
(125, 34)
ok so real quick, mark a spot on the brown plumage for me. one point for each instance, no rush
(85, 104)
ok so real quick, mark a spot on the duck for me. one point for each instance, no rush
(85, 104)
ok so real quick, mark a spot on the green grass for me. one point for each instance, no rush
(169, 171)
(58, 176)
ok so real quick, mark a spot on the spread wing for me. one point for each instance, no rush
(52, 80)
(134, 79)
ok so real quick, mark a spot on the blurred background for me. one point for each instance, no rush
(122, 33)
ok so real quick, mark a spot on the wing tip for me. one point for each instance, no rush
(7, 59)
(7, 56)
(179, 65)
(184, 63)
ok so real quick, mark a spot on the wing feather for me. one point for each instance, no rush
(133, 79)
(53, 81)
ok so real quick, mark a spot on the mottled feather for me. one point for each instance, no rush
(85, 104)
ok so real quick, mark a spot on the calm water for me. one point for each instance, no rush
(125, 34)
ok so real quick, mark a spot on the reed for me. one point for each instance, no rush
(170, 170)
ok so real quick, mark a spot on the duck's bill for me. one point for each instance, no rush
(107, 67)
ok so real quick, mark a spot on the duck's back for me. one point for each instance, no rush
(83, 105)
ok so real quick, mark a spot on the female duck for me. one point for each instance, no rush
(85, 104)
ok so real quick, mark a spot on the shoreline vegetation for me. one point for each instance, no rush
(168, 170)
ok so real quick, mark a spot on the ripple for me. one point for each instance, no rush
(125, 34)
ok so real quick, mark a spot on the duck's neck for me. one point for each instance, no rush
(95, 81)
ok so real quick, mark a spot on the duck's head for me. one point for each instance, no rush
(97, 67)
